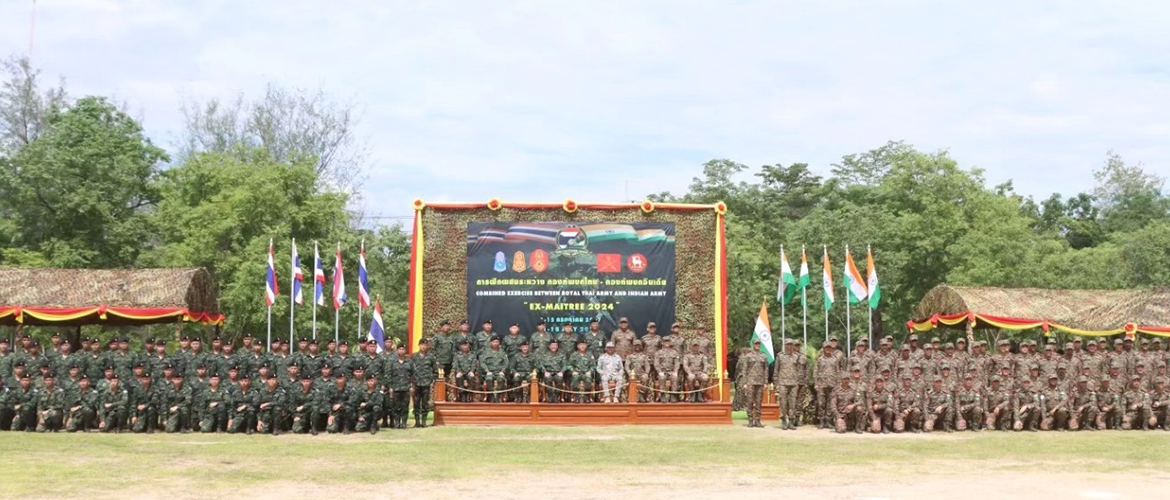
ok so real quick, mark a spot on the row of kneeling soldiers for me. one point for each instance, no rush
(300, 403)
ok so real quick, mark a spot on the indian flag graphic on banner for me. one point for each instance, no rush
(853, 280)
(763, 333)
(828, 281)
(606, 232)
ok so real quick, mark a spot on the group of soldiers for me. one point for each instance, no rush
(107, 387)
(1090, 384)
(582, 368)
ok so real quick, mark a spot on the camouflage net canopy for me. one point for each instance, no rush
(68, 297)
(445, 257)
(1089, 310)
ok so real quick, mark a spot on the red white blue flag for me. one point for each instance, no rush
(318, 277)
(363, 280)
(271, 287)
(298, 276)
(377, 332)
(338, 282)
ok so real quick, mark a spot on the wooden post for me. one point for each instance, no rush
(440, 393)
(633, 390)
(726, 388)
(533, 389)
(770, 395)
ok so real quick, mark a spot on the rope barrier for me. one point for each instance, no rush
(693, 391)
(586, 393)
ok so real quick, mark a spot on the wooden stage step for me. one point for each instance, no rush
(713, 413)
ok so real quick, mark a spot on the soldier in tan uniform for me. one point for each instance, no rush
(623, 338)
(789, 365)
(638, 368)
(881, 406)
(849, 408)
(827, 376)
(666, 366)
(755, 376)
(697, 370)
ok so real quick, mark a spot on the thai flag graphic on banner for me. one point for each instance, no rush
(318, 278)
(298, 276)
(377, 332)
(271, 287)
(338, 282)
(363, 280)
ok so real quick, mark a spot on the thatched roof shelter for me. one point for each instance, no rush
(67, 297)
(1088, 310)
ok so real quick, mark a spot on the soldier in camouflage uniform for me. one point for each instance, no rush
(483, 338)
(1136, 404)
(1082, 405)
(82, 405)
(998, 405)
(425, 370)
(623, 338)
(111, 406)
(22, 402)
(213, 407)
(595, 339)
(881, 406)
(50, 405)
(270, 403)
(242, 408)
(1026, 407)
(969, 406)
(849, 407)
(581, 368)
(520, 368)
(908, 406)
(754, 377)
(1160, 402)
(1055, 400)
(512, 341)
(539, 340)
(666, 364)
(697, 370)
(444, 346)
(940, 406)
(638, 367)
(827, 376)
(398, 374)
(464, 368)
(368, 407)
(175, 405)
(651, 342)
(301, 407)
(493, 367)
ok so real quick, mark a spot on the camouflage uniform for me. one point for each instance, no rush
(1027, 407)
(213, 409)
(754, 377)
(270, 404)
(623, 342)
(908, 406)
(666, 364)
(1137, 408)
(638, 367)
(940, 407)
(581, 367)
(826, 377)
(425, 369)
(175, 407)
(50, 409)
(82, 406)
(849, 407)
(610, 368)
(300, 407)
(1082, 404)
(399, 373)
(697, 369)
(242, 410)
(111, 406)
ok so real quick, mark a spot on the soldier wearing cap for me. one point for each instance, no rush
(520, 368)
(939, 407)
(907, 405)
(539, 340)
(651, 341)
(50, 402)
(850, 407)
(886, 358)
(862, 359)
(1082, 405)
(826, 377)
(786, 376)
(595, 338)
(493, 364)
(1160, 404)
(666, 365)
(567, 340)
(697, 370)
(623, 338)
(582, 367)
(483, 338)
(881, 405)
(610, 367)
(754, 376)
(20, 408)
(511, 342)
(175, 405)
(1136, 405)
(81, 405)
(552, 372)
(638, 367)
(425, 372)
(109, 408)
(464, 372)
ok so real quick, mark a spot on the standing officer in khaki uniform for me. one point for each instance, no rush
(755, 376)
(789, 365)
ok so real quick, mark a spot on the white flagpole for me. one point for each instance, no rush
(803, 302)
(782, 296)
(316, 255)
(269, 303)
(826, 339)
(292, 284)
(337, 310)
(848, 326)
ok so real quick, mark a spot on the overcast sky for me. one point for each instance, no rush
(545, 100)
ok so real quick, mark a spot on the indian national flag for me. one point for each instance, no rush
(804, 280)
(787, 287)
(607, 232)
(763, 333)
(875, 291)
(827, 279)
(853, 280)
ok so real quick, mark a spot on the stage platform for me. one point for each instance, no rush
(717, 411)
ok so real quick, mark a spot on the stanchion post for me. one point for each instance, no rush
(633, 391)
(726, 388)
(533, 390)
(440, 392)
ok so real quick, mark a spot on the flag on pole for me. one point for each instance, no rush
(763, 333)
(318, 278)
(271, 286)
(298, 276)
(787, 287)
(875, 291)
(377, 332)
(804, 280)
(828, 282)
(338, 282)
(363, 280)
(853, 280)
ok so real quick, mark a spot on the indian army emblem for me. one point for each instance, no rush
(500, 265)
(539, 261)
(518, 262)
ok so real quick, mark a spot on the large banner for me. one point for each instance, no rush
(559, 272)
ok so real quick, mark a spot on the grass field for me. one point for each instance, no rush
(658, 462)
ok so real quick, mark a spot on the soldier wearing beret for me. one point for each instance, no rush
(519, 369)
(426, 371)
(465, 372)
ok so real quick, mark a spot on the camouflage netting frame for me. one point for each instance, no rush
(444, 294)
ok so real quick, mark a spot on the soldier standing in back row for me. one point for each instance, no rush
(754, 377)
(623, 338)
(426, 370)
(826, 377)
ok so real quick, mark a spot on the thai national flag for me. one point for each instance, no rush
(338, 283)
(377, 331)
(363, 280)
(271, 287)
(298, 276)
(318, 278)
